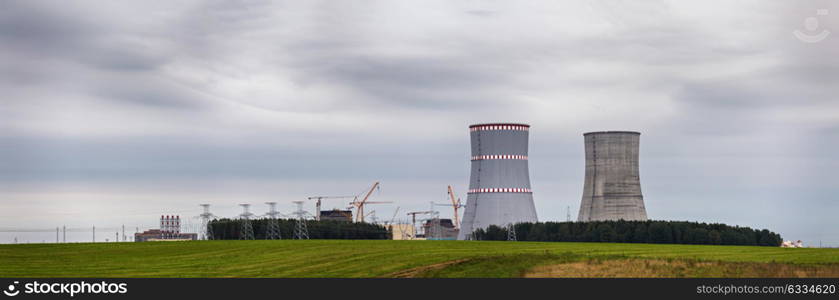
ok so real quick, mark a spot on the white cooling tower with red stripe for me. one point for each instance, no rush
(499, 187)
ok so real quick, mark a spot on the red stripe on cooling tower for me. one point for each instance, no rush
(499, 156)
(500, 190)
(514, 127)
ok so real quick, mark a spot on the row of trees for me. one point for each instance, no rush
(661, 232)
(229, 229)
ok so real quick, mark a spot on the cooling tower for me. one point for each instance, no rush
(499, 185)
(612, 190)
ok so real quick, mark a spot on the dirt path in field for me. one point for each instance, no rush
(649, 268)
(414, 272)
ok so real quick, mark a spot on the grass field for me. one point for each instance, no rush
(385, 258)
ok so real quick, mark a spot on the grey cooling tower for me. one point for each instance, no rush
(499, 186)
(612, 190)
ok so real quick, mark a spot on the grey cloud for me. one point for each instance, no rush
(154, 93)
(34, 27)
(414, 82)
(45, 32)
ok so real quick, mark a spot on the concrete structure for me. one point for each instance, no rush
(336, 215)
(499, 185)
(612, 189)
(156, 235)
(170, 230)
(402, 231)
(439, 229)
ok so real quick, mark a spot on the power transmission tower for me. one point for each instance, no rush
(273, 229)
(301, 231)
(64, 234)
(205, 222)
(511, 232)
(56, 235)
(123, 232)
(246, 232)
(94, 233)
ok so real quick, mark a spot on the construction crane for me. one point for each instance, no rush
(455, 205)
(360, 209)
(320, 198)
(394, 216)
(359, 204)
(413, 215)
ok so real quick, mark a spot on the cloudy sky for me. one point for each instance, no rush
(115, 113)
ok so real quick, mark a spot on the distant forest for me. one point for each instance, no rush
(659, 232)
(229, 229)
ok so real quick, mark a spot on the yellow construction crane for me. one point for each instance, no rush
(359, 204)
(456, 205)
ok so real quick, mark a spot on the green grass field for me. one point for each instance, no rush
(374, 258)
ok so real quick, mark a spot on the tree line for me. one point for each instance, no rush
(659, 232)
(230, 229)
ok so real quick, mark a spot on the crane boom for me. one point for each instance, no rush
(456, 206)
(394, 215)
(359, 214)
(370, 192)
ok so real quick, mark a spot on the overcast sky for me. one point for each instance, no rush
(115, 113)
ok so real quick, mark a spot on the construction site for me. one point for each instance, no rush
(413, 225)
(498, 194)
(499, 198)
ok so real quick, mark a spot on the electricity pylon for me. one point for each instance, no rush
(205, 222)
(301, 231)
(246, 232)
(511, 232)
(273, 230)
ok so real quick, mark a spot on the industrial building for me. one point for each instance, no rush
(499, 184)
(612, 189)
(156, 235)
(440, 229)
(170, 230)
(402, 231)
(336, 215)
